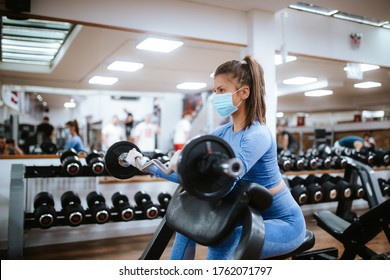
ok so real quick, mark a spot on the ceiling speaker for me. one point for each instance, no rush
(18, 5)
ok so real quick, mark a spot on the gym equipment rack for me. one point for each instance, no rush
(19, 219)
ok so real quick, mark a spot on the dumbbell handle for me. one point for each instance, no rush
(231, 167)
(155, 162)
(144, 166)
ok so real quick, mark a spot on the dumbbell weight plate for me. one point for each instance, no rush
(97, 205)
(69, 197)
(94, 160)
(71, 204)
(115, 160)
(140, 197)
(119, 197)
(45, 213)
(95, 197)
(164, 199)
(206, 187)
(143, 200)
(121, 203)
(67, 153)
(43, 198)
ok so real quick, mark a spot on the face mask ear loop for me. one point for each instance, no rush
(241, 99)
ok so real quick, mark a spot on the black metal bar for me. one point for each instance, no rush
(158, 243)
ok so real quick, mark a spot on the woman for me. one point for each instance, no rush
(239, 93)
(72, 131)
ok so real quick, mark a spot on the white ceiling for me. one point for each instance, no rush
(94, 48)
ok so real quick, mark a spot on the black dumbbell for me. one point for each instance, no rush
(300, 193)
(313, 184)
(44, 213)
(365, 155)
(385, 186)
(297, 163)
(70, 162)
(74, 213)
(310, 160)
(357, 191)
(382, 157)
(339, 162)
(143, 201)
(97, 205)
(296, 181)
(324, 162)
(121, 205)
(95, 162)
(284, 163)
(344, 188)
(164, 199)
(331, 191)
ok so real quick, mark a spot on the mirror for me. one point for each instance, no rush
(92, 48)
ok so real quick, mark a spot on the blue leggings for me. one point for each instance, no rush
(284, 232)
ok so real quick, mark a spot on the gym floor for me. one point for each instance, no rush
(131, 248)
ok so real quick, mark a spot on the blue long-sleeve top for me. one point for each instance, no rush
(255, 147)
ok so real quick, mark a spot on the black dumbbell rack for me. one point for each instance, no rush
(354, 171)
(357, 170)
(19, 219)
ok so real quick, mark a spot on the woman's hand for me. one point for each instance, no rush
(136, 159)
(174, 161)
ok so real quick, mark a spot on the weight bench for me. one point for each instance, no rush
(354, 236)
(208, 222)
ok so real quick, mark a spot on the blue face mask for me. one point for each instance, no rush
(223, 103)
(67, 131)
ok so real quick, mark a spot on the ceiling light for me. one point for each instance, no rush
(364, 67)
(125, 66)
(318, 93)
(32, 41)
(360, 19)
(367, 85)
(279, 60)
(337, 14)
(100, 80)
(159, 45)
(279, 114)
(313, 9)
(300, 80)
(191, 85)
(70, 104)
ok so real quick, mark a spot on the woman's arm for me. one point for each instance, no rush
(173, 177)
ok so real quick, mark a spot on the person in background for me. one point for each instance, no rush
(72, 133)
(45, 131)
(145, 134)
(369, 139)
(288, 141)
(129, 124)
(353, 142)
(112, 133)
(9, 147)
(182, 132)
(240, 92)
